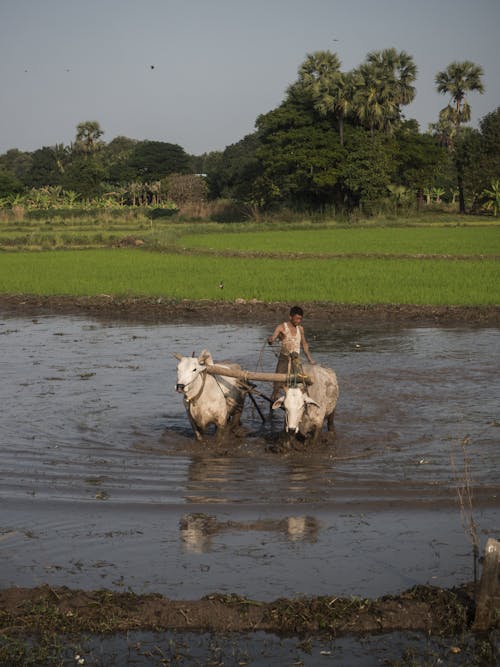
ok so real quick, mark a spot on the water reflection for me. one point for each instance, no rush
(197, 530)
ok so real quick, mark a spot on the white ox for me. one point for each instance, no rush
(209, 399)
(307, 408)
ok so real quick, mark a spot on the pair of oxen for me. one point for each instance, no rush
(219, 399)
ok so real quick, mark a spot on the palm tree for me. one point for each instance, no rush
(322, 81)
(383, 84)
(88, 134)
(458, 79)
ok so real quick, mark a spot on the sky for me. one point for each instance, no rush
(198, 73)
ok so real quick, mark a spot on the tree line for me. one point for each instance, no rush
(338, 141)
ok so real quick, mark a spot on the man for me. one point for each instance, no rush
(291, 335)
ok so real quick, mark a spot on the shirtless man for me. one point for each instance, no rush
(291, 335)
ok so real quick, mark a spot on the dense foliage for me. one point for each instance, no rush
(338, 142)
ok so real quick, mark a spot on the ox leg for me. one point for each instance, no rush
(236, 416)
(221, 433)
(198, 432)
(315, 436)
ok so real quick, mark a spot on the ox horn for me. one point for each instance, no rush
(177, 356)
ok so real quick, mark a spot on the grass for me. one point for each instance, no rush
(386, 240)
(342, 280)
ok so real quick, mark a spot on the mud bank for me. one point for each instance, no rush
(157, 309)
(422, 608)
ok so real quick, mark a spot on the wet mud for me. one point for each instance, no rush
(107, 499)
(158, 309)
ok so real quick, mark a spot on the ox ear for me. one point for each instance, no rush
(205, 357)
(177, 356)
(278, 403)
(310, 401)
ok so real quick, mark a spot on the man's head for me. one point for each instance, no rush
(296, 315)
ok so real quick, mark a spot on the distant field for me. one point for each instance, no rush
(343, 280)
(381, 240)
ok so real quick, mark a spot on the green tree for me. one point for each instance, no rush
(367, 171)
(419, 159)
(45, 168)
(88, 134)
(489, 165)
(457, 80)
(116, 157)
(85, 176)
(9, 184)
(300, 156)
(17, 162)
(232, 173)
(153, 160)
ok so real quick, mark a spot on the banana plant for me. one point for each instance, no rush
(493, 198)
(438, 193)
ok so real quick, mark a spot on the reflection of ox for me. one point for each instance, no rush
(209, 399)
(307, 409)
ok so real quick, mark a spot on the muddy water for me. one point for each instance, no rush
(102, 486)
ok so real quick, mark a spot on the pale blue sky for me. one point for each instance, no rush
(218, 64)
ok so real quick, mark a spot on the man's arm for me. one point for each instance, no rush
(278, 332)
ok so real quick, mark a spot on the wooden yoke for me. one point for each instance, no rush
(245, 376)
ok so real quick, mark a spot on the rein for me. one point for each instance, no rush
(197, 396)
(204, 374)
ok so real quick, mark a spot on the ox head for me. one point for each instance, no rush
(294, 402)
(190, 368)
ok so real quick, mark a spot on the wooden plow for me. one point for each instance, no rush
(246, 378)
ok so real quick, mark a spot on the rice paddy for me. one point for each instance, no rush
(135, 272)
(432, 264)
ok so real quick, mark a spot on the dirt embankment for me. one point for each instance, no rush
(45, 609)
(163, 310)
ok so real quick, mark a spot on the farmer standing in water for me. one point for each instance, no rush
(291, 335)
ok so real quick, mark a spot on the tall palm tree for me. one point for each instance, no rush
(399, 69)
(458, 79)
(322, 81)
(382, 85)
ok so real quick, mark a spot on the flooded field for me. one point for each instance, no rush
(102, 486)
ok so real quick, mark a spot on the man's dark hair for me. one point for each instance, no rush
(296, 310)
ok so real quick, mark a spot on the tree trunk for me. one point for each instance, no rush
(420, 198)
(461, 196)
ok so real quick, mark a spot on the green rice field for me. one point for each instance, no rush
(381, 240)
(176, 276)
